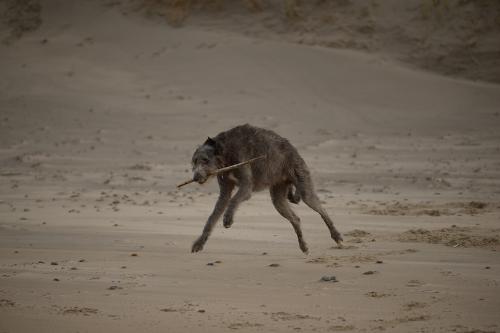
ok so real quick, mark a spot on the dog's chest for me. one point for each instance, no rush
(233, 178)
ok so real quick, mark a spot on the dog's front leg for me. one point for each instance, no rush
(244, 193)
(226, 188)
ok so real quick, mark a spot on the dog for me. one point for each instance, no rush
(282, 170)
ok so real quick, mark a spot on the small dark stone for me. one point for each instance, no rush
(201, 311)
(56, 279)
(210, 264)
(329, 278)
(379, 262)
(168, 310)
(369, 272)
(274, 265)
(487, 267)
(114, 288)
(54, 263)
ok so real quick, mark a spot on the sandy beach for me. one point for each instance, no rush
(102, 107)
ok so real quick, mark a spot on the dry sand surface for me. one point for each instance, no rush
(100, 113)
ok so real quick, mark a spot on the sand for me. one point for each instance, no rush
(100, 113)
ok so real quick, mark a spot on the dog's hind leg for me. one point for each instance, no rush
(305, 187)
(279, 194)
(226, 188)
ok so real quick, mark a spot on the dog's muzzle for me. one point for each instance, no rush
(199, 178)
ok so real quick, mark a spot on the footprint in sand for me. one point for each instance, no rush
(6, 303)
(375, 294)
(414, 283)
(414, 305)
(76, 310)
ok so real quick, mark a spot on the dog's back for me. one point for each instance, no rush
(282, 162)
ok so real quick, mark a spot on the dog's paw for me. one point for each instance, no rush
(198, 245)
(337, 238)
(227, 221)
(304, 248)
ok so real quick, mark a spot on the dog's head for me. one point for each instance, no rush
(204, 160)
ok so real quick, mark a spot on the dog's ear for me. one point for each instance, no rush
(219, 148)
(217, 145)
(210, 142)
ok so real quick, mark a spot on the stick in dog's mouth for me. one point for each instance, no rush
(224, 169)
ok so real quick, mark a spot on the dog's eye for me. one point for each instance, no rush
(204, 160)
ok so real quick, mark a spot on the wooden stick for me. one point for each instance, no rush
(185, 183)
(228, 168)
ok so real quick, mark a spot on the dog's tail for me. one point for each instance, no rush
(293, 194)
(301, 181)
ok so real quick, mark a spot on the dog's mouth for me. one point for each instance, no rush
(202, 181)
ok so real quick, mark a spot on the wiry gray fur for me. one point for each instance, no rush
(282, 170)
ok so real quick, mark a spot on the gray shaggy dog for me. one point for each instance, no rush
(283, 171)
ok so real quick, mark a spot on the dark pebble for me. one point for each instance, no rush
(114, 288)
(329, 278)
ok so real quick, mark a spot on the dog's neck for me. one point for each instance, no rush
(220, 162)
